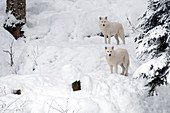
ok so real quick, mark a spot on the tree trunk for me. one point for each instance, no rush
(17, 8)
(76, 85)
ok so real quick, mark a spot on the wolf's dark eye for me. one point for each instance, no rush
(110, 51)
(107, 51)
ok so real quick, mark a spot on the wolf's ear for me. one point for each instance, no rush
(100, 18)
(112, 47)
(106, 17)
(105, 47)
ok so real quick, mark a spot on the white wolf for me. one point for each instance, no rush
(111, 28)
(119, 56)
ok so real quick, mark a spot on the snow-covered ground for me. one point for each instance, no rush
(58, 51)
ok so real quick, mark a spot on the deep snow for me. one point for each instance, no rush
(58, 52)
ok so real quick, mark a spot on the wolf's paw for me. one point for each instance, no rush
(126, 74)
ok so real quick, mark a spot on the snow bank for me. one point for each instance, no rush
(100, 96)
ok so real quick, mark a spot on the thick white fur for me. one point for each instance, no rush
(111, 28)
(117, 57)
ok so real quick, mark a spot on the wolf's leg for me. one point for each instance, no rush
(116, 68)
(116, 37)
(126, 67)
(123, 39)
(105, 37)
(123, 69)
(122, 36)
(109, 37)
(111, 69)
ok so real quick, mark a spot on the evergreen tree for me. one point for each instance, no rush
(153, 44)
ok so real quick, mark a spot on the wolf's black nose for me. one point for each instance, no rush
(109, 54)
(103, 25)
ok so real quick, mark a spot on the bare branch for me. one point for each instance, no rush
(54, 108)
(11, 104)
(2, 105)
(67, 105)
(10, 53)
(60, 108)
(6, 51)
(50, 106)
(133, 28)
(3, 90)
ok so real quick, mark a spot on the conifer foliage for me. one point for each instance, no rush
(154, 44)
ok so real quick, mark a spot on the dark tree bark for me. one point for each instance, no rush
(18, 9)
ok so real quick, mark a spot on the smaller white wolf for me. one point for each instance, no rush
(111, 28)
(117, 57)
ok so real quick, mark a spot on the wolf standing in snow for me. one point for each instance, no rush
(111, 28)
(119, 56)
